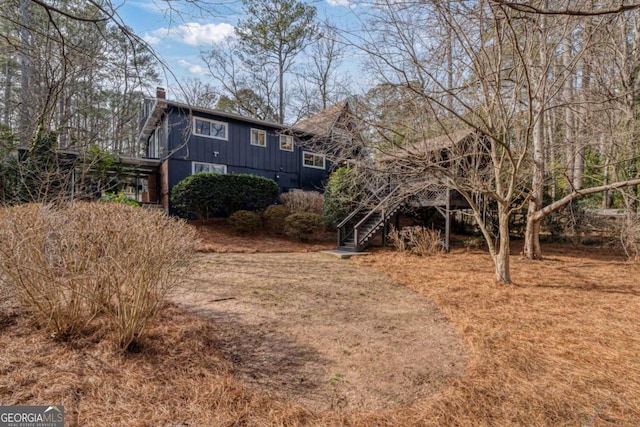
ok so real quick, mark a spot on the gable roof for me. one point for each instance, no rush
(438, 143)
(322, 123)
(428, 148)
(225, 114)
(318, 125)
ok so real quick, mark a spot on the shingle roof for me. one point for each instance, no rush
(322, 123)
(428, 147)
(438, 143)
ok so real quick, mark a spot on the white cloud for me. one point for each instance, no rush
(152, 40)
(193, 68)
(339, 3)
(195, 34)
(196, 69)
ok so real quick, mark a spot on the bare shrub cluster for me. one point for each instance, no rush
(571, 224)
(105, 264)
(630, 238)
(421, 241)
(303, 201)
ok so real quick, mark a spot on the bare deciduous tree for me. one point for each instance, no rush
(319, 83)
(510, 76)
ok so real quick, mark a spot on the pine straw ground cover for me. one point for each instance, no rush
(215, 236)
(559, 348)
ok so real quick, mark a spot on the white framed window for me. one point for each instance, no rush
(259, 137)
(286, 142)
(313, 160)
(210, 128)
(197, 167)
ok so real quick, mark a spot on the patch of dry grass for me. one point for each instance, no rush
(178, 379)
(559, 348)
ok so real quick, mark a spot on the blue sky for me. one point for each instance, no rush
(179, 31)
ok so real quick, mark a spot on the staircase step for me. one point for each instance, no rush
(373, 224)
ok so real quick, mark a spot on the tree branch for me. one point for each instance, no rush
(529, 8)
(580, 193)
(49, 8)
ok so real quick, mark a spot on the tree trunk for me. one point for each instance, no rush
(606, 195)
(583, 128)
(532, 233)
(551, 144)
(532, 248)
(25, 71)
(501, 257)
(578, 166)
(567, 94)
(7, 92)
(449, 65)
(631, 202)
(281, 92)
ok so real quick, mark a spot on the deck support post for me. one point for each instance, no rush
(447, 222)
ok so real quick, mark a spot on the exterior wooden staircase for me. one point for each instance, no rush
(363, 224)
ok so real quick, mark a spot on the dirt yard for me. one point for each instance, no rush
(324, 332)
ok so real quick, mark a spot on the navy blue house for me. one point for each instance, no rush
(185, 140)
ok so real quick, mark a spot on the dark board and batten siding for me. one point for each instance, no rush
(237, 153)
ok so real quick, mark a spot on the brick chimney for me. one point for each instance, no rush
(160, 93)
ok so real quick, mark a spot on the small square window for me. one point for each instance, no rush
(286, 142)
(258, 137)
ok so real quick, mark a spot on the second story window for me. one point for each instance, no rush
(210, 128)
(258, 137)
(286, 142)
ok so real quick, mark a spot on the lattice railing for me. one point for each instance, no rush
(432, 195)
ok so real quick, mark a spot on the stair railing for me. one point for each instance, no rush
(382, 207)
(344, 231)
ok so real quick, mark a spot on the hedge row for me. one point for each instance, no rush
(206, 195)
(299, 225)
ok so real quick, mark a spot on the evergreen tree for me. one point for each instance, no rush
(274, 32)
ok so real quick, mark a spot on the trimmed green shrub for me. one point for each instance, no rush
(205, 195)
(301, 225)
(245, 221)
(341, 195)
(273, 218)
